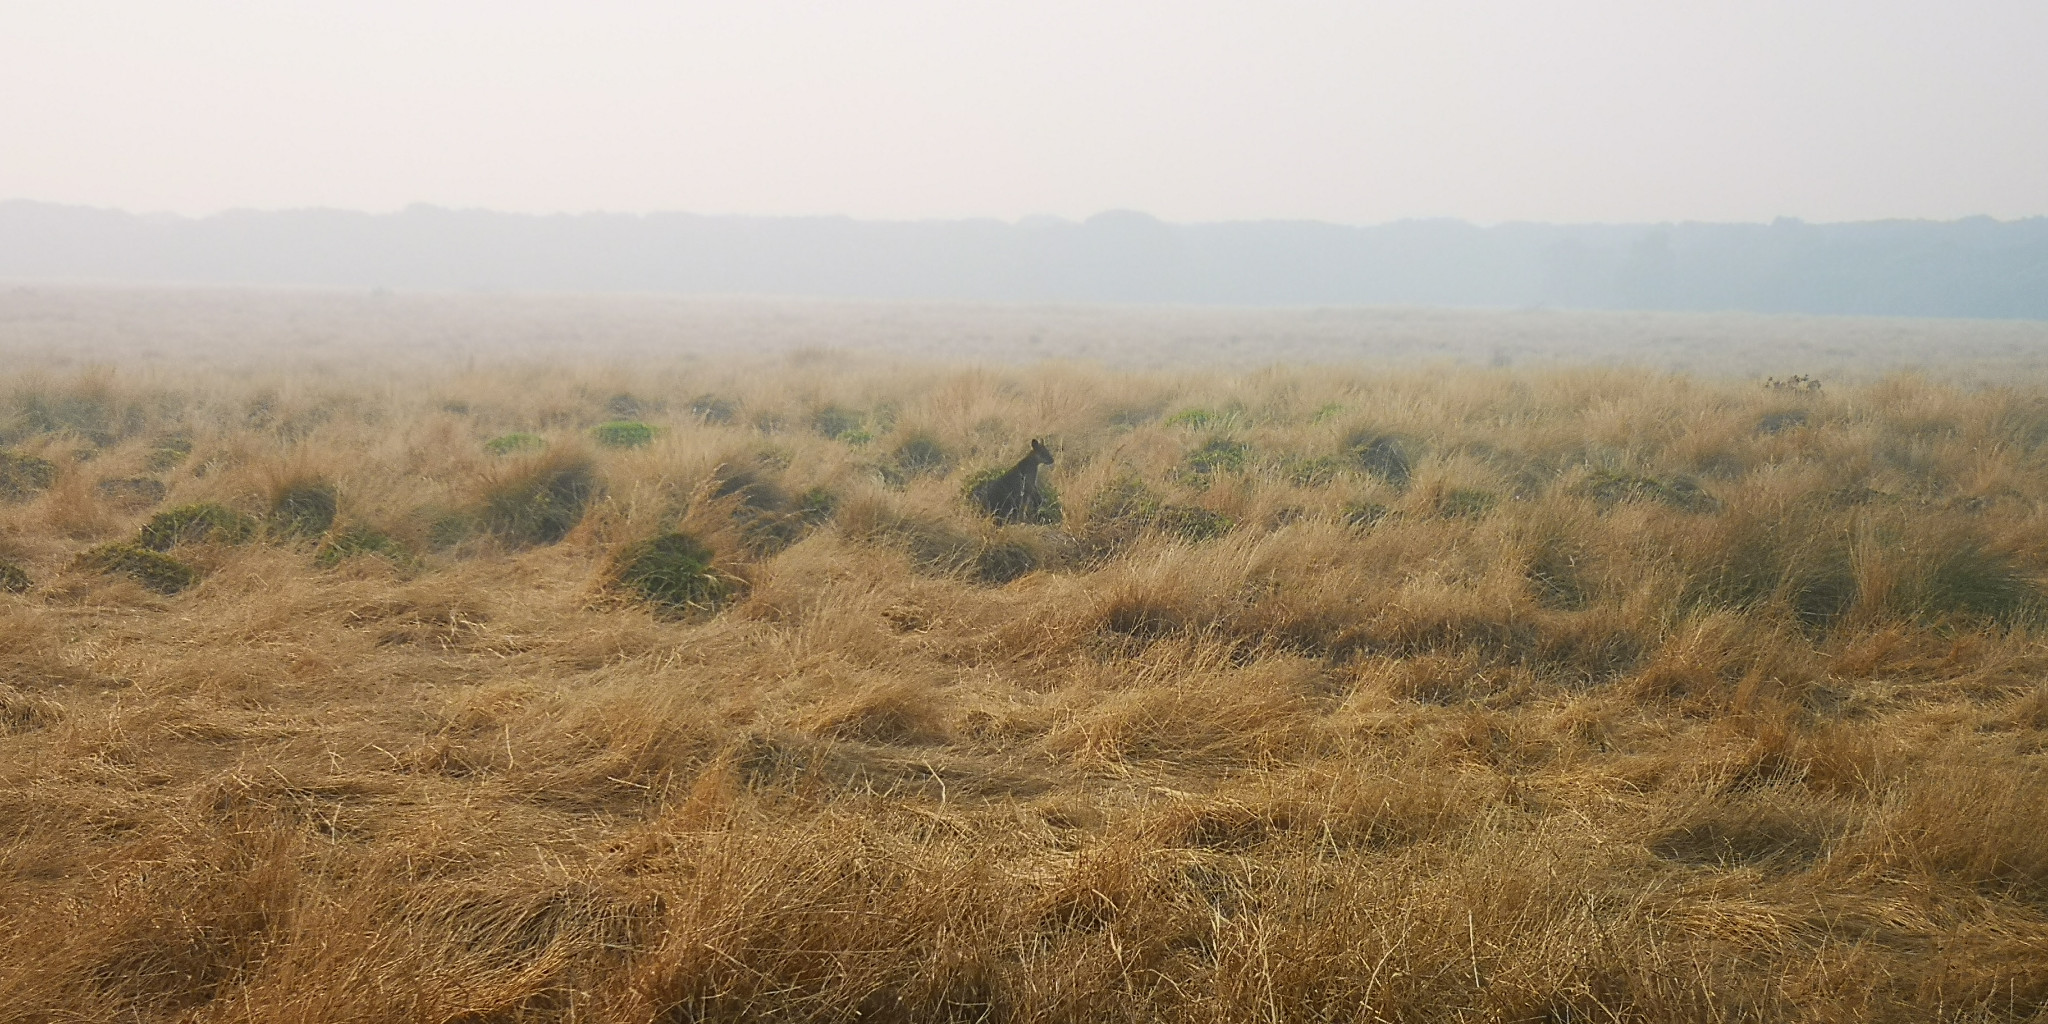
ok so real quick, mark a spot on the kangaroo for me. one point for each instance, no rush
(1014, 497)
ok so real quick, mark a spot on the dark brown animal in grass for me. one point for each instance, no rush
(1015, 496)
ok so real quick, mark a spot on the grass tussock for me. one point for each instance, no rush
(539, 501)
(202, 523)
(1332, 695)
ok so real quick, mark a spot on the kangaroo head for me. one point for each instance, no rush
(1039, 452)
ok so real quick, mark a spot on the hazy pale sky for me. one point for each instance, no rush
(1562, 110)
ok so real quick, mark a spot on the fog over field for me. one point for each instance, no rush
(1970, 268)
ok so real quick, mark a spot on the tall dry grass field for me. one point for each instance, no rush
(698, 691)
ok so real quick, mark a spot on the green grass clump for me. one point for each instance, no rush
(541, 502)
(1791, 561)
(623, 434)
(817, 505)
(1610, 489)
(673, 573)
(1960, 575)
(1218, 455)
(1316, 471)
(765, 514)
(1004, 560)
(303, 508)
(515, 443)
(1362, 514)
(13, 578)
(1193, 523)
(921, 453)
(1383, 455)
(447, 528)
(157, 572)
(714, 409)
(360, 539)
(168, 452)
(1195, 419)
(195, 524)
(24, 476)
(838, 423)
(1465, 503)
(134, 491)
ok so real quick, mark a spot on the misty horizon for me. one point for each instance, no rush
(1974, 267)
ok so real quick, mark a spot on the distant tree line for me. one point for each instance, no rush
(1977, 267)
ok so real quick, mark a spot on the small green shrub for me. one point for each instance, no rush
(1193, 523)
(303, 508)
(515, 443)
(541, 502)
(13, 578)
(168, 452)
(672, 572)
(206, 522)
(360, 539)
(623, 434)
(157, 572)
(24, 476)
(1194, 419)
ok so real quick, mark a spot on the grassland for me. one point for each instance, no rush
(1331, 694)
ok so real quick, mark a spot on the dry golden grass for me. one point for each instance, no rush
(1645, 698)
